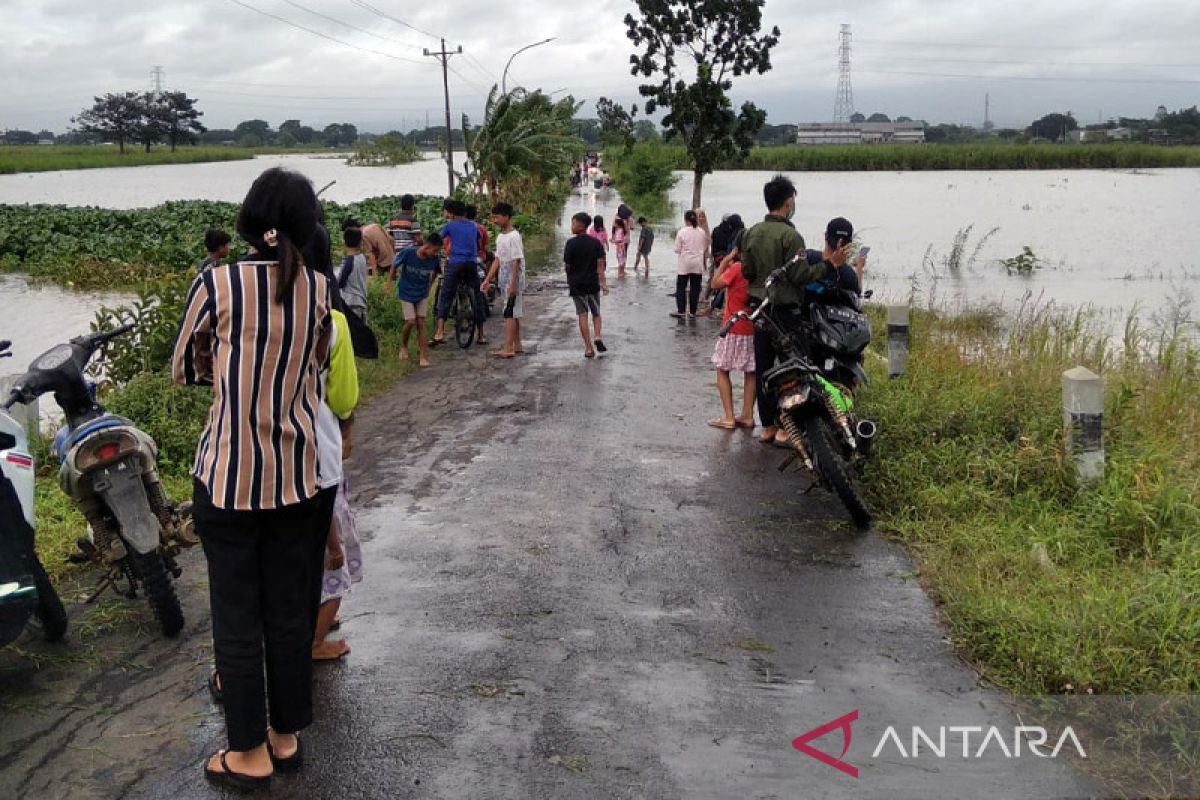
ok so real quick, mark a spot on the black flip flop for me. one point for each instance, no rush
(600, 348)
(292, 763)
(235, 780)
(435, 342)
(214, 688)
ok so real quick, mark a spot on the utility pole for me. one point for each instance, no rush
(156, 75)
(443, 55)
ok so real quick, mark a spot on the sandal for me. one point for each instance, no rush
(436, 342)
(589, 354)
(722, 424)
(743, 423)
(293, 762)
(235, 780)
(214, 687)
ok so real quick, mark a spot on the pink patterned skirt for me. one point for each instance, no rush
(734, 353)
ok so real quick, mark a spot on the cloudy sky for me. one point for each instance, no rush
(931, 59)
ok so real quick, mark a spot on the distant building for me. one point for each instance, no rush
(1093, 135)
(860, 133)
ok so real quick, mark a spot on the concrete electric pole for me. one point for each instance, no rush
(443, 55)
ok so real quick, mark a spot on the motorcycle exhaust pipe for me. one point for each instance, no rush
(865, 432)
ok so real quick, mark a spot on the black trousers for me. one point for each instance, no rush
(764, 359)
(687, 289)
(264, 575)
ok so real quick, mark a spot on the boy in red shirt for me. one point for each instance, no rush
(736, 350)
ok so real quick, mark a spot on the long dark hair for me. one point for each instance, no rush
(283, 201)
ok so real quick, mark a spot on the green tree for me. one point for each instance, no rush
(300, 134)
(723, 40)
(1053, 126)
(526, 141)
(616, 124)
(644, 130)
(16, 136)
(877, 117)
(340, 134)
(180, 120)
(113, 118)
(253, 133)
(858, 118)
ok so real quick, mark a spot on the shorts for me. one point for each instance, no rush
(585, 303)
(414, 310)
(513, 307)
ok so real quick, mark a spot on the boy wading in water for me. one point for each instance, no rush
(584, 259)
(510, 263)
(645, 244)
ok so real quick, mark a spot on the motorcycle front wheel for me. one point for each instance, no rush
(160, 591)
(834, 469)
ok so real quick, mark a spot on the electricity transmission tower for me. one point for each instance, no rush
(156, 75)
(843, 107)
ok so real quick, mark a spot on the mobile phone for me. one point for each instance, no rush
(864, 250)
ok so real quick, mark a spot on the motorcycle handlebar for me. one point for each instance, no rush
(97, 339)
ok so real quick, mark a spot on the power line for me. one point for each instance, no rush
(467, 80)
(1045, 78)
(1038, 63)
(368, 7)
(1012, 46)
(324, 35)
(473, 61)
(343, 23)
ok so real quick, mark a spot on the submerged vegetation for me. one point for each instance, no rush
(34, 158)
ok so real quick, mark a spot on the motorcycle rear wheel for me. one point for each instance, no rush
(834, 470)
(160, 591)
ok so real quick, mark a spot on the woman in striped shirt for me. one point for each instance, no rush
(259, 331)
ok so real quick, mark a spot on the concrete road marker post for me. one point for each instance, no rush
(1083, 420)
(897, 332)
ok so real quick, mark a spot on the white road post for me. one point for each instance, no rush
(1083, 419)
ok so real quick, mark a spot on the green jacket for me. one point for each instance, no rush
(769, 245)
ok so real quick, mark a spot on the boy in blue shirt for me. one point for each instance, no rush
(462, 240)
(416, 266)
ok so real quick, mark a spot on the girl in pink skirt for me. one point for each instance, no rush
(736, 351)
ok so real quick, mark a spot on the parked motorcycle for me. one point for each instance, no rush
(25, 589)
(109, 470)
(814, 383)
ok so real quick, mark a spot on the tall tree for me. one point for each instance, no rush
(340, 134)
(722, 39)
(616, 124)
(253, 133)
(1053, 126)
(179, 116)
(113, 118)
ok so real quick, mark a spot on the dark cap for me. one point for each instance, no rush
(838, 228)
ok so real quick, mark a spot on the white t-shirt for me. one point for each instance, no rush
(691, 244)
(329, 435)
(509, 249)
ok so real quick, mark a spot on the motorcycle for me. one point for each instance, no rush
(109, 469)
(25, 588)
(814, 385)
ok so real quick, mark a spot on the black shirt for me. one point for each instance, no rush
(847, 277)
(582, 256)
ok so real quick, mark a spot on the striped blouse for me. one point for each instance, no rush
(263, 359)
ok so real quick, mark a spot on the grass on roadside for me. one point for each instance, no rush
(1046, 585)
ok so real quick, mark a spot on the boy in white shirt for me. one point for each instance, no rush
(510, 263)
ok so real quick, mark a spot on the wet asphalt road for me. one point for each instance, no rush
(574, 589)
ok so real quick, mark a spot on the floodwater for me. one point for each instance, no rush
(1105, 238)
(138, 187)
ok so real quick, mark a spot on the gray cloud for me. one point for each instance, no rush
(933, 59)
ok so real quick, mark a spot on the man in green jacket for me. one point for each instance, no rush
(766, 247)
